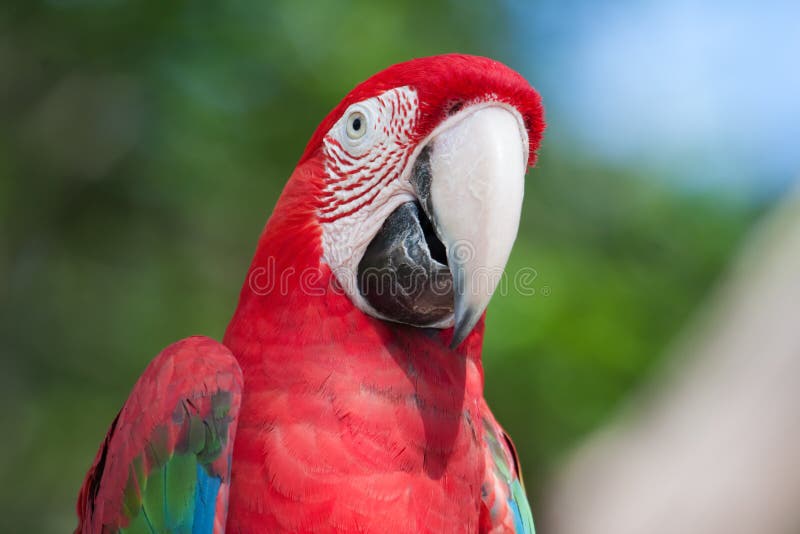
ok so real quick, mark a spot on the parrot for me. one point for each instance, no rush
(347, 392)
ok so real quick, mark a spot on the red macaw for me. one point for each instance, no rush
(347, 395)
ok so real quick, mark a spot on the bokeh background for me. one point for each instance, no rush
(143, 145)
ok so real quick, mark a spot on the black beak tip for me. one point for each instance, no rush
(457, 340)
(465, 322)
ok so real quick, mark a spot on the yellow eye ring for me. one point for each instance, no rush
(356, 125)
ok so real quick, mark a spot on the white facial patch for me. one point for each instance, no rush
(366, 151)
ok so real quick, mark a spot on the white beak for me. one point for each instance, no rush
(477, 170)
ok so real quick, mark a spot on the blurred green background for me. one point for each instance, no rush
(143, 145)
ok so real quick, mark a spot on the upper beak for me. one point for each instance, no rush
(473, 196)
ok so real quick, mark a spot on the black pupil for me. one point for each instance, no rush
(357, 123)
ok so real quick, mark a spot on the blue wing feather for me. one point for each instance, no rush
(205, 501)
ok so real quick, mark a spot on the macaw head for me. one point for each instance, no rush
(410, 190)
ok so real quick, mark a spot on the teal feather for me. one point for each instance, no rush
(523, 518)
(504, 473)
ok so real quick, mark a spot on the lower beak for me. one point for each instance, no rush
(473, 195)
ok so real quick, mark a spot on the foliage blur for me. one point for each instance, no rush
(142, 147)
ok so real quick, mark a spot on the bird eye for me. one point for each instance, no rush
(356, 125)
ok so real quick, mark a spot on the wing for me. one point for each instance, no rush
(166, 461)
(505, 506)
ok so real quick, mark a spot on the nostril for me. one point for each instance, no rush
(455, 107)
